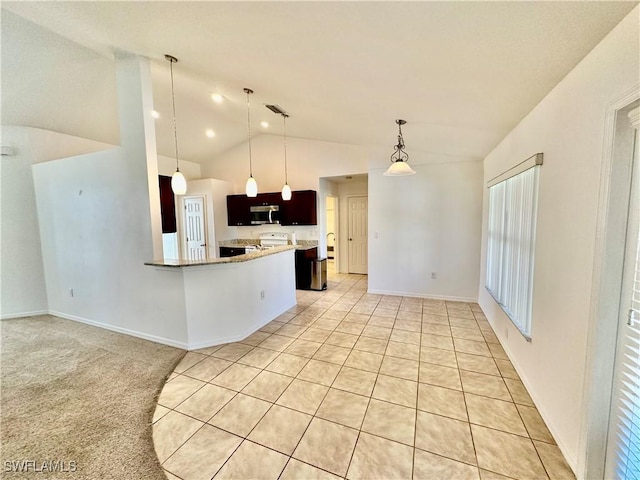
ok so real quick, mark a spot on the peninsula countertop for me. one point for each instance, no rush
(215, 261)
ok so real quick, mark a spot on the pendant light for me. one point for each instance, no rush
(399, 157)
(286, 189)
(252, 186)
(178, 182)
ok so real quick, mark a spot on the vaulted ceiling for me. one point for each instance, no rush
(462, 74)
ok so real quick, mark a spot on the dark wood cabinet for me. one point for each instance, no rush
(300, 210)
(167, 205)
(231, 251)
(303, 267)
(238, 210)
(267, 199)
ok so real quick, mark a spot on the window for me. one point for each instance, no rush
(511, 241)
(624, 435)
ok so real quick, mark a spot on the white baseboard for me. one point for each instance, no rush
(235, 338)
(423, 295)
(126, 331)
(146, 336)
(9, 316)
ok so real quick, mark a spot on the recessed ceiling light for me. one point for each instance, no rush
(210, 133)
(217, 98)
(155, 114)
(264, 124)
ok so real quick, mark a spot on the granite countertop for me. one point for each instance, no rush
(216, 261)
(304, 247)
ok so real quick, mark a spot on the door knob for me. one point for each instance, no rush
(351, 239)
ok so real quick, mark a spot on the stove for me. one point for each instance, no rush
(271, 240)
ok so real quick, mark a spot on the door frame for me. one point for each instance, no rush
(604, 310)
(349, 197)
(183, 230)
(336, 228)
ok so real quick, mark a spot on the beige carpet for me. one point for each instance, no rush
(75, 393)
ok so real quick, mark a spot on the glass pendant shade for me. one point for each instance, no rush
(286, 192)
(178, 183)
(398, 169)
(252, 187)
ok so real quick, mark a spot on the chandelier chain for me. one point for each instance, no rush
(284, 121)
(248, 91)
(172, 60)
(399, 155)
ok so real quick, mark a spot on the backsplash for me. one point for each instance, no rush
(255, 241)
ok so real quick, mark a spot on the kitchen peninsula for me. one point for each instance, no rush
(227, 299)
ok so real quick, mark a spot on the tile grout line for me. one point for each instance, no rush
(316, 318)
(273, 403)
(415, 425)
(466, 407)
(207, 422)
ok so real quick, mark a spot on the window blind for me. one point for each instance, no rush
(628, 443)
(510, 245)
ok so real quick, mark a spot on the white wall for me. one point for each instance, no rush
(167, 165)
(424, 223)
(307, 160)
(227, 302)
(44, 145)
(95, 239)
(567, 126)
(21, 272)
(96, 215)
(452, 239)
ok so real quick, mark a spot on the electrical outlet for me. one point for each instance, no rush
(71, 292)
(434, 275)
(261, 294)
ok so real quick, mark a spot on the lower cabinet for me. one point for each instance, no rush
(303, 267)
(231, 251)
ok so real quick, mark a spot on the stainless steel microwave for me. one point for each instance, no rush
(261, 214)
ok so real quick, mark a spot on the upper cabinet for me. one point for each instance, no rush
(167, 205)
(300, 210)
(238, 210)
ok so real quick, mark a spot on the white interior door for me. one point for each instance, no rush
(358, 235)
(623, 447)
(194, 228)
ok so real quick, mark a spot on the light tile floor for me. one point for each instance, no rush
(360, 386)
